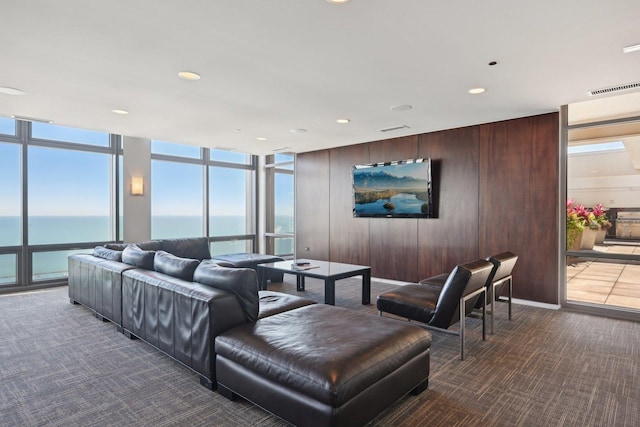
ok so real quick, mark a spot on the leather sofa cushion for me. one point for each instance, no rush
(150, 245)
(328, 353)
(277, 302)
(109, 254)
(242, 282)
(116, 246)
(182, 268)
(195, 247)
(133, 255)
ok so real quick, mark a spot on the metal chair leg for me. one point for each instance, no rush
(484, 316)
(510, 280)
(461, 331)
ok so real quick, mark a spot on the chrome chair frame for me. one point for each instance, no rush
(494, 285)
(461, 309)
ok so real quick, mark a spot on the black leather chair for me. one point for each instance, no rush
(500, 277)
(440, 307)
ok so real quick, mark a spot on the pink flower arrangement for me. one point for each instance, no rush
(584, 216)
(601, 216)
(579, 218)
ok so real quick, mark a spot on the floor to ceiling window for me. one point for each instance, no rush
(203, 192)
(10, 202)
(232, 222)
(177, 183)
(280, 223)
(56, 198)
(603, 230)
(61, 193)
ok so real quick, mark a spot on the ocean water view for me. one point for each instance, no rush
(67, 229)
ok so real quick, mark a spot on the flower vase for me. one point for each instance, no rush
(588, 239)
(573, 240)
(600, 235)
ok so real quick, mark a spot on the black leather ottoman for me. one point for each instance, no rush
(249, 260)
(322, 365)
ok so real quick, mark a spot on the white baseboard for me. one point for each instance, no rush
(536, 304)
(391, 282)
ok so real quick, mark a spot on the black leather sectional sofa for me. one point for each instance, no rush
(307, 363)
(170, 294)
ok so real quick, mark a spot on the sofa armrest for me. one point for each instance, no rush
(96, 283)
(179, 318)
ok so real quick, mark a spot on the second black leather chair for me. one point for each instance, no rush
(499, 277)
(441, 307)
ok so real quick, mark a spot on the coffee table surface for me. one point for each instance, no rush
(324, 270)
(319, 269)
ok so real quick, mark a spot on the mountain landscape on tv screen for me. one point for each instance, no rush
(382, 179)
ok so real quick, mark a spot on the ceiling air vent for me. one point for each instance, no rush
(392, 128)
(614, 89)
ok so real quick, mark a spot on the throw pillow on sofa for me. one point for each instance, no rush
(149, 245)
(116, 246)
(133, 255)
(105, 253)
(242, 282)
(182, 268)
(191, 247)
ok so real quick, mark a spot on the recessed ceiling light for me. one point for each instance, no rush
(299, 130)
(403, 107)
(122, 112)
(477, 90)
(261, 138)
(338, 1)
(343, 121)
(632, 48)
(11, 91)
(189, 75)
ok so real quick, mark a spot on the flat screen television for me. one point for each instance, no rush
(398, 189)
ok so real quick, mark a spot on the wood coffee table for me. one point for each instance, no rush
(323, 270)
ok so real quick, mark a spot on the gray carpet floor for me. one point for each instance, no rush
(60, 366)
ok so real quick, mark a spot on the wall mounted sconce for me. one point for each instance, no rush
(137, 186)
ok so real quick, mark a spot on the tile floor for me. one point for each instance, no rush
(606, 282)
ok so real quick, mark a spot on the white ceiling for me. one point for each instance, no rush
(271, 66)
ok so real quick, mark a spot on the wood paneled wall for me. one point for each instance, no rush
(496, 189)
(519, 185)
(393, 243)
(348, 237)
(451, 238)
(312, 205)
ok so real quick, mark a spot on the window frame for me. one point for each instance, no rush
(272, 168)
(24, 252)
(206, 162)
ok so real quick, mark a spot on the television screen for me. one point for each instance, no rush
(399, 189)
